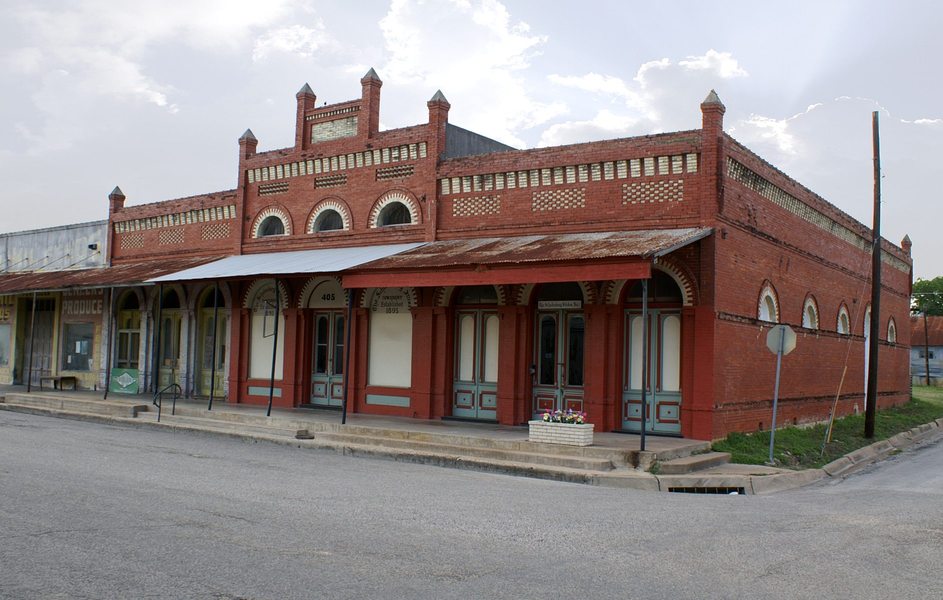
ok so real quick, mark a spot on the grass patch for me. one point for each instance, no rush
(801, 447)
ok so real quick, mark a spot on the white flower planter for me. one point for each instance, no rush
(561, 433)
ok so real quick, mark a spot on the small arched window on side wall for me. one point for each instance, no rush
(891, 331)
(843, 323)
(810, 314)
(768, 308)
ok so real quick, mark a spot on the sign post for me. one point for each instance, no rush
(780, 340)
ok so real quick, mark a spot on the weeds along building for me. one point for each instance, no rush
(430, 272)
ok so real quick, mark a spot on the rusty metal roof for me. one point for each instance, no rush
(646, 243)
(934, 329)
(115, 276)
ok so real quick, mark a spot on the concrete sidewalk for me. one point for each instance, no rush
(614, 459)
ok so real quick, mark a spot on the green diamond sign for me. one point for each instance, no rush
(124, 381)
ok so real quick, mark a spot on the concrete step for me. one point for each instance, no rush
(77, 405)
(399, 436)
(525, 454)
(383, 445)
(695, 462)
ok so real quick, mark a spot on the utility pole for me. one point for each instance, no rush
(926, 346)
(871, 401)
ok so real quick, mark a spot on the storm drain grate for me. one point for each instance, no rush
(707, 490)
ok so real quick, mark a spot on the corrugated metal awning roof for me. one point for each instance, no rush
(323, 260)
(124, 274)
(647, 243)
(591, 256)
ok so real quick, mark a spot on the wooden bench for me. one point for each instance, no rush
(58, 380)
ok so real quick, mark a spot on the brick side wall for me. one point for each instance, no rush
(761, 242)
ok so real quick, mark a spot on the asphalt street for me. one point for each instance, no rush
(101, 511)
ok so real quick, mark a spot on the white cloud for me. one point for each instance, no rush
(606, 124)
(721, 63)
(105, 48)
(295, 39)
(661, 96)
(472, 49)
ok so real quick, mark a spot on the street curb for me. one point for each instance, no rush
(619, 478)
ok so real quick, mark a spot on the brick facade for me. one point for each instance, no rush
(435, 183)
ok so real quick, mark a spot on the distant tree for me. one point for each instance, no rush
(928, 296)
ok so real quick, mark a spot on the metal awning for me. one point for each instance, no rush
(323, 260)
(590, 256)
(120, 275)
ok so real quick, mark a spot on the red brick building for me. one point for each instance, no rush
(430, 272)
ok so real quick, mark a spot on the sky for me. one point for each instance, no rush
(152, 95)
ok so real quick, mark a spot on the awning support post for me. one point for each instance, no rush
(113, 326)
(645, 359)
(271, 383)
(350, 312)
(215, 333)
(155, 373)
(32, 330)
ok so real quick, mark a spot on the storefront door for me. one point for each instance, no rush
(475, 388)
(327, 369)
(663, 401)
(206, 344)
(558, 365)
(169, 356)
(38, 338)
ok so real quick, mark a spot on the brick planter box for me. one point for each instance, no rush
(561, 433)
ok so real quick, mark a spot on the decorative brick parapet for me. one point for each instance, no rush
(561, 433)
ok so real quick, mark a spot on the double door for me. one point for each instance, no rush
(327, 364)
(475, 385)
(558, 366)
(660, 363)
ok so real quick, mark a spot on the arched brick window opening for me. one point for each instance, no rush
(843, 324)
(394, 213)
(768, 308)
(891, 331)
(271, 225)
(810, 314)
(329, 220)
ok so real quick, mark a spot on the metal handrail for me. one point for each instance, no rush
(159, 398)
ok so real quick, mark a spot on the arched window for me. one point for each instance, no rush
(810, 314)
(891, 331)
(394, 213)
(328, 220)
(768, 309)
(271, 225)
(843, 325)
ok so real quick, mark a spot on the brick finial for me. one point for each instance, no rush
(247, 144)
(712, 151)
(906, 244)
(116, 200)
(712, 112)
(368, 124)
(438, 119)
(306, 102)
